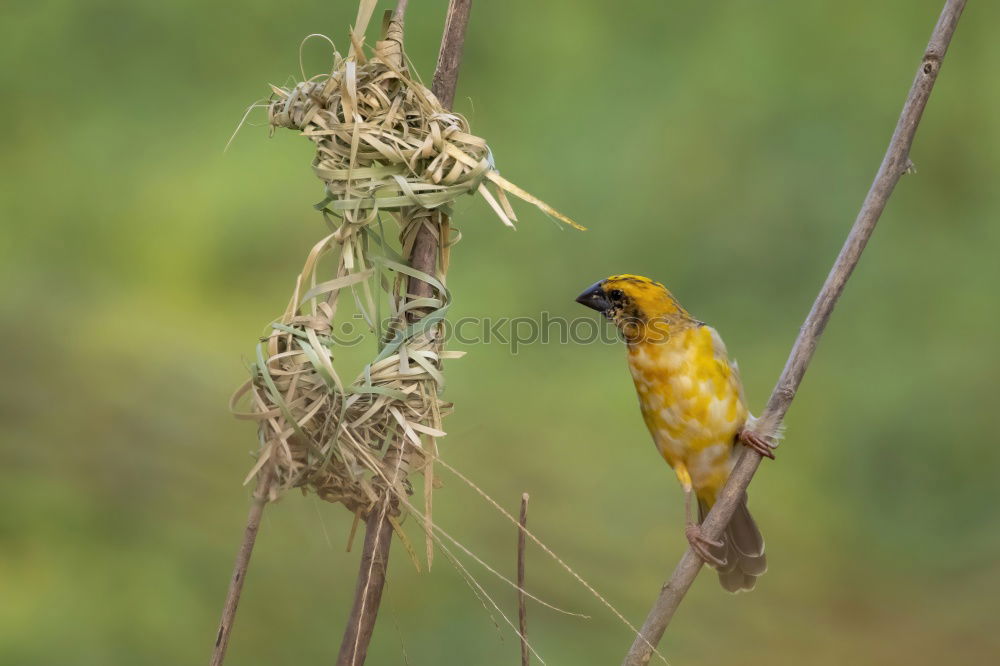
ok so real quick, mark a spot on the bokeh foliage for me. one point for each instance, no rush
(721, 147)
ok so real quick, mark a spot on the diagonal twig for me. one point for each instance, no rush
(894, 165)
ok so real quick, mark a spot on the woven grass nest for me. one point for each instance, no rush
(385, 147)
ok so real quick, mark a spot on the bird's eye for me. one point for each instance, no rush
(616, 295)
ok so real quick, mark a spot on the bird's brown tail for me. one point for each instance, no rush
(742, 549)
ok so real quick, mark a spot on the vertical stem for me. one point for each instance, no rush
(522, 611)
(260, 494)
(450, 56)
(425, 245)
(368, 592)
(400, 10)
(423, 257)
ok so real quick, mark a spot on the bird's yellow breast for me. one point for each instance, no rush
(691, 401)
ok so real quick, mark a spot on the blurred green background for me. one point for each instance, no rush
(723, 148)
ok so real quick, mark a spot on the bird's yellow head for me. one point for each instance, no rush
(641, 308)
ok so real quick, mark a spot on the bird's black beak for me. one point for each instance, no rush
(595, 298)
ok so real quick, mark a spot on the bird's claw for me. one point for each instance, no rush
(701, 545)
(758, 443)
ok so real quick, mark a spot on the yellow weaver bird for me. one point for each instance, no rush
(692, 402)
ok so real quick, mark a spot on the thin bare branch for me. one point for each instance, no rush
(260, 495)
(400, 11)
(894, 165)
(450, 56)
(368, 591)
(522, 611)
